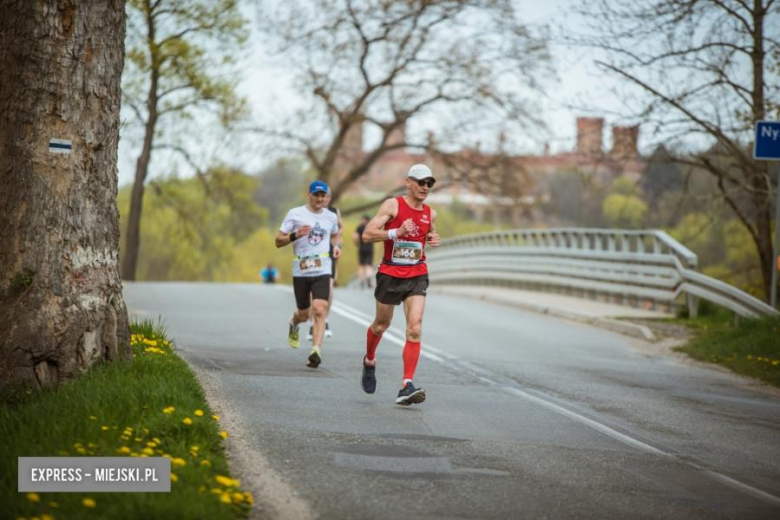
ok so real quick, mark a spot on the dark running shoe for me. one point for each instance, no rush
(368, 381)
(410, 395)
(314, 358)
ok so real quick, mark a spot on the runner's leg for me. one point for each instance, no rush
(319, 311)
(384, 316)
(414, 306)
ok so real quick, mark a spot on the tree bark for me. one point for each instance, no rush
(61, 305)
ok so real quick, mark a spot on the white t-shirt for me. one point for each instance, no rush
(311, 251)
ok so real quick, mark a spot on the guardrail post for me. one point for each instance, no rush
(693, 305)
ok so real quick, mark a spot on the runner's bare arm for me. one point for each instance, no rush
(387, 212)
(282, 239)
(433, 236)
(335, 242)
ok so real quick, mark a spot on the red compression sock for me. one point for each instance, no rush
(372, 341)
(411, 356)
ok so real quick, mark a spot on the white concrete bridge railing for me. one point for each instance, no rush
(646, 268)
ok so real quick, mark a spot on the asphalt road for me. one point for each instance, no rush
(527, 416)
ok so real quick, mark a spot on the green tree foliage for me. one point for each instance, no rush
(624, 211)
(281, 187)
(724, 247)
(178, 66)
(622, 208)
(192, 228)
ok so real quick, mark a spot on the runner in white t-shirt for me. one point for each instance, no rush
(311, 230)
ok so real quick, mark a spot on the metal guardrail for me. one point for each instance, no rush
(638, 268)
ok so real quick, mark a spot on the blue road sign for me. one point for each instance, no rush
(767, 141)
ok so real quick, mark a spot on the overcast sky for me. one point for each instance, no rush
(578, 88)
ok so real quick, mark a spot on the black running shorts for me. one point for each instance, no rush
(309, 288)
(392, 291)
(366, 257)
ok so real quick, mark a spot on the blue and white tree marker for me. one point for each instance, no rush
(60, 146)
(767, 141)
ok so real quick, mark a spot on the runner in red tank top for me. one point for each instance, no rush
(405, 225)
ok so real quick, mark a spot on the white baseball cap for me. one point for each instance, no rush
(420, 172)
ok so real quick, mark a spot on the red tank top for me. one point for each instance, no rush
(405, 257)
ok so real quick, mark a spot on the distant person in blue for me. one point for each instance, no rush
(270, 274)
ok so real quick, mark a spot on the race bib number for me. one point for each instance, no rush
(310, 263)
(409, 253)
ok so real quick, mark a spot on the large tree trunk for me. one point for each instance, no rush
(61, 305)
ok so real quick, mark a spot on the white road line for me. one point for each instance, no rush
(606, 430)
(436, 355)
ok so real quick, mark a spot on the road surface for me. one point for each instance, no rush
(527, 416)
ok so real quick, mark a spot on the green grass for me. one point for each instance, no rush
(117, 409)
(750, 346)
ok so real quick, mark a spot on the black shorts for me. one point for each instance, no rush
(308, 288)
(333, 267)
(366, 257)
(392, 291)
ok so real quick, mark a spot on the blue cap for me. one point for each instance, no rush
(318, 187)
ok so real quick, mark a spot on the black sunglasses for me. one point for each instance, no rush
(426, 182)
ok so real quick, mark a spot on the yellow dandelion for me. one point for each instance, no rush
(249, 498)
(227, 481)
(225, 498)
(124, 450)
(187, 421)
(224, 434)
(33, 497)
(155, 439)
(199, 413)
(148, 451)
(104, 428)
(138, 439)
(205, 463)
(169, 410)
(174, 478)
(238, 497)
(45, 516)
(215, 417)
(178, 462)
(88, 502)
(195, 448)
(201, 489)
(216, 491)
(151, 444)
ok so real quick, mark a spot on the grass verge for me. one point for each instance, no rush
(749, 347)
(152, 406)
